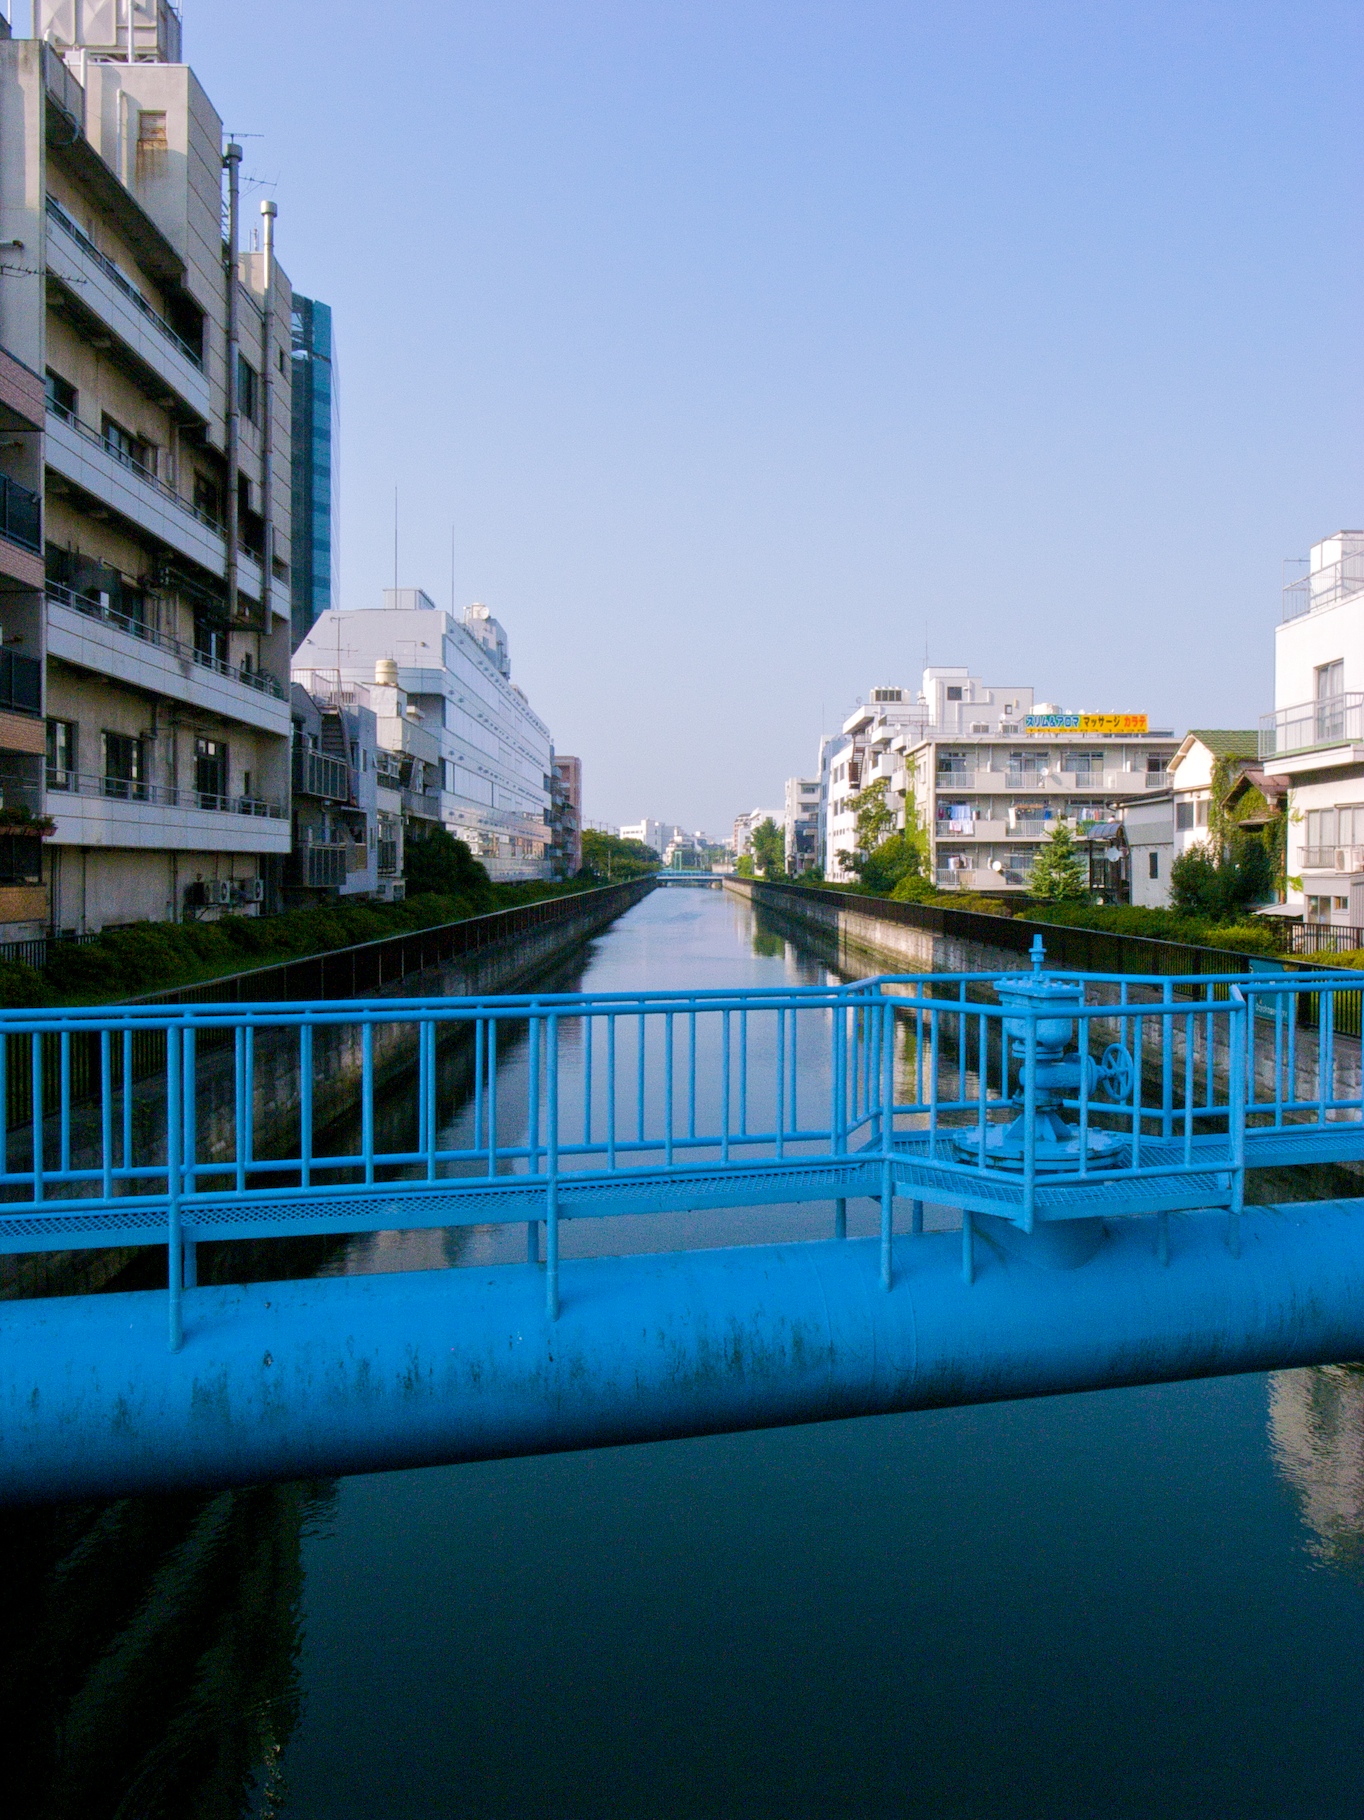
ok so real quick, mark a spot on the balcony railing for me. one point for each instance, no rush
(1335, 721)
(21, 682)
(20, 515)
(260, 680)
(318, 774)
(1333, 859)
(388, 859)
(322, 866)
(145, 475)
(56, 213)
(136, 790)
(1323, 587)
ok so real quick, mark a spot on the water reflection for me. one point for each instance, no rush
(1316, 1431)
(149, 1652)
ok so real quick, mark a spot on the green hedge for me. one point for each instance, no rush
(1258, 937)
(152, 956)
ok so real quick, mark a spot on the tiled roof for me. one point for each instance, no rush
(1225, 742)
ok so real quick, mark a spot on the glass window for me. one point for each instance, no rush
(210, 772)
(1184, 816)
(1201, 812)
(248, 389)
(1153, 864)
(61, 395)
(1330, 679)
(124, 768)
(61, 754)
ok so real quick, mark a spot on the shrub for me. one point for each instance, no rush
(21, 986)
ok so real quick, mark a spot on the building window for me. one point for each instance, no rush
(1341, 903)
(61, 396)
(248, 389)
(1201, 811)
(954, 692)
(207, 498)
(1155, 767)
(124, 767)
(210, 773)
(61, 755)
(1330, 679)
(1153, 864)
(210, 641)
(126, 446)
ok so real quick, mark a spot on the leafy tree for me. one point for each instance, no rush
(611, 859)
(769, 849)
(440, 863)
(885, 854)
(1059, 873)
(1220, 887)
(744, 865)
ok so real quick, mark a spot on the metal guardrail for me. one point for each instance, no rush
(260, 680)
(57, 214)
(1068, 1099)
(124, 460)
(1324, 938)
(1323, 587)
(1332, 721)
(136, 790)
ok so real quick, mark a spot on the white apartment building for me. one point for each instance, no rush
(495, 754)
(161, 616)
(990, 771)
(745, 824)
(800, 825)
(1315, 736)
(653, 834)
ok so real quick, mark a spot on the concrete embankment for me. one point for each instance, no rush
(505, 951)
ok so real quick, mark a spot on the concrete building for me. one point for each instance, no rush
(745, 824)
(494, 751)
(989, 770)
(567, 814)
(161, 614)
(1315, 736)
(652, 833)
(335, 789)
(315, 584)
(800, 825)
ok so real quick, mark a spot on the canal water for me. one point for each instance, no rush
(1131, 1603)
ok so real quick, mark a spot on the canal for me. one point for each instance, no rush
(1131, 1603)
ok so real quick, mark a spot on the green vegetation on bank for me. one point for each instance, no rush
(446, 884)
(611, 860)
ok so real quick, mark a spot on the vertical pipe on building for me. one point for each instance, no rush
(268, 211)
(232, 159)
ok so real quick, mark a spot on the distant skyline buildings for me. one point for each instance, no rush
(315, 583)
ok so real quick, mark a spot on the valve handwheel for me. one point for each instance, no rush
(1116, 1073)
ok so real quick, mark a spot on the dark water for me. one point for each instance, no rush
(1134, 1603)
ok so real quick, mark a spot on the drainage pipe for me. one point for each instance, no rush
(359, 1374)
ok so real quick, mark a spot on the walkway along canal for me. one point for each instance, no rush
(1138, 1602)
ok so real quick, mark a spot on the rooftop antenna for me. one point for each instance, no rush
(452, 571)
(395, 542)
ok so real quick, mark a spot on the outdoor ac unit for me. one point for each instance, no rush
(223, 892)
(253, 891)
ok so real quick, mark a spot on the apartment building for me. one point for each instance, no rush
(990, 772)
(494, 753)
(1315, 736)
(800, 825)
(163, 620)
(566, 801)
(745, 824)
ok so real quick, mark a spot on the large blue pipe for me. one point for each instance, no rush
(356, 1374)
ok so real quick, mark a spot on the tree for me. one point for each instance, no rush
(885, 854)
(769, 849)
(611, 859)
(1221, 887)
(440, 863)
(1059, 873)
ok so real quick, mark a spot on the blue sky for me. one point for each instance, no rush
(747, 346)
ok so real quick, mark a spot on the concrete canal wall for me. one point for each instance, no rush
(504, 951)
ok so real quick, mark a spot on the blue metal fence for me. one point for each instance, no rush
(1032, 1099)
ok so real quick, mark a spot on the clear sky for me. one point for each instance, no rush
(749, 347)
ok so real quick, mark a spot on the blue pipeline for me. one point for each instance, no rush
(359, 1374)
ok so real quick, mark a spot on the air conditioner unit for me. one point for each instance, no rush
(222, 891)
(253, 891)
(1342, 860)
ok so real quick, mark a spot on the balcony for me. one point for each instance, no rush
(318, 774)
(84, 632)
(388, 859)
(1333, 859)
(20, 515)
(98, 289)
(1311, 726)
(94, 810)
(322, 866)
(1326, 586)
(83, 457)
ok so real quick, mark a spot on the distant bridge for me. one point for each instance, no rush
(681, 875)
(1095, 1131)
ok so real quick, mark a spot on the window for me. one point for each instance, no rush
(207, 498)
(210, 772)
(1155, 767)
(124, 767)
(1184, 817)
(1330, 679)
(132, 450)
(954, 692)
(61, 395)
(210, 640)
(151, 131)
(1340, 903)
(1153, 864)
(1201, 811)
(248, 389)
(61, 754)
